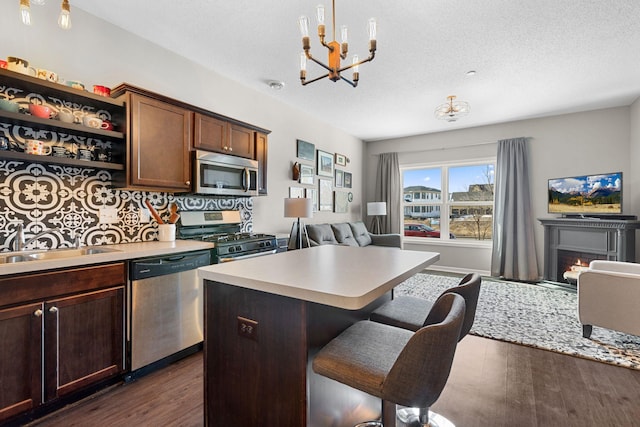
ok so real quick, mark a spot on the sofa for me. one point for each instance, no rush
(349, 233)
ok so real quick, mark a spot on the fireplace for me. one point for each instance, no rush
(567, 240)
(570, 263)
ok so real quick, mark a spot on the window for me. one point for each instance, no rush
(464, 191)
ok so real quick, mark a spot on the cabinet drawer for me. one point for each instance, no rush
(33, 287)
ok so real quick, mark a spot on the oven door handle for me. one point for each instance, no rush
(238, 258)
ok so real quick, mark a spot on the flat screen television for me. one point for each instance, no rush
(586, 195)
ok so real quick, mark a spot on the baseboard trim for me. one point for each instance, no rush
(457, 270)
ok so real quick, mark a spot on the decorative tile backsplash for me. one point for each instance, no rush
(68, 199)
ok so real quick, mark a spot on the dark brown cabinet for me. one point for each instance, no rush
(221, 136)
(61, 332)
(158, 141)
(83, 340)
(261, 156)
(20, 359)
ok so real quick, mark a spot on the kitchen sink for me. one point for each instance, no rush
(10, 259)
(68, 253)
(53, 254)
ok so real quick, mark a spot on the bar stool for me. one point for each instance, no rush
(398, 366)
(412, 313)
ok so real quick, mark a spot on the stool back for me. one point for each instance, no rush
(420, 372)
(469, 289)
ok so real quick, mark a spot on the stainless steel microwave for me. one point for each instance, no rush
(224, 175)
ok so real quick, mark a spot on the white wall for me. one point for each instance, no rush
(96, 52)
(566, 145)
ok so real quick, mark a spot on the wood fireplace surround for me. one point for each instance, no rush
(586, 239)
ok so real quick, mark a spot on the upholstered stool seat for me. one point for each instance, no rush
(397, 365)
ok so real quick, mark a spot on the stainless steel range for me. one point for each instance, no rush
(223, 229)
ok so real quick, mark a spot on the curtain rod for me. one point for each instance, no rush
(475, 144)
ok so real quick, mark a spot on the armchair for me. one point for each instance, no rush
(609, 297)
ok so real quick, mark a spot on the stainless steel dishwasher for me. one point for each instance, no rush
(165, 306)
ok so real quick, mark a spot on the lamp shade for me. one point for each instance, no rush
(376, 208)
(298, 208)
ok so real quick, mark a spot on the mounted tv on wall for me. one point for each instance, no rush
(586, 195)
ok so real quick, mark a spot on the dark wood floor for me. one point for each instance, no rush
(492, 383)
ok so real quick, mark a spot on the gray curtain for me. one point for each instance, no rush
(389, 189)
(514, 252)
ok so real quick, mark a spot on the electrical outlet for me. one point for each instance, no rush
(144, 215)
(248, 328)
(108, 216)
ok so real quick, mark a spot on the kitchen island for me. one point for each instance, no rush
(267, 317)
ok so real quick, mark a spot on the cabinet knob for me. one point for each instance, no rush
(225, 148)
(188, 183)
(53, 310)
(37, 313)
(230, 148)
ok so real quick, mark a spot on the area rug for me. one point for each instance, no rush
(535, 316)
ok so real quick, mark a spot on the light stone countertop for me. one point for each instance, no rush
(341, 276)
(125, 251)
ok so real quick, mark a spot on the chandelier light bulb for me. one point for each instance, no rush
(38, 2)
(344, 34)
(373, 28)
(303, 62)
(25, 12)
(64, 20)
(320, 14)
(303, 25)
(356, 66)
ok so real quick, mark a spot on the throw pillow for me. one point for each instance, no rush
(343, 234)
(321, 234)
(360, 233)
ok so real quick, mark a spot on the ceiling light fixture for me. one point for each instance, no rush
(64, 20)
(276, 84)
(337, 50)
(452, 110)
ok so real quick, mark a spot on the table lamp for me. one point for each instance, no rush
(298, 208)
(376, 209)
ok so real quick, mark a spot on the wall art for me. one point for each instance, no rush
(339, 178)
(306, 174)
(325, 195)
(325, 164)
(305, 150)
(347, 179)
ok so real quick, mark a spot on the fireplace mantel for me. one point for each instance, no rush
(610, 239)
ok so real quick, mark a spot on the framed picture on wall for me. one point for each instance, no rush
(340, 202)
(312, 194)
(341, 160)
(305, 150)
(325, 195)
(339, 178)
(347, 180)
(325, 164)
(306, 174)
(296, 192)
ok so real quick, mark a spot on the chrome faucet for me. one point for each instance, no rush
(19, 243)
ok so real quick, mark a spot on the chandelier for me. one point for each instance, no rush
(64, 19)
(452, 110)
(337, 50)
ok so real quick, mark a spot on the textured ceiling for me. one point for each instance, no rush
(532, 58)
